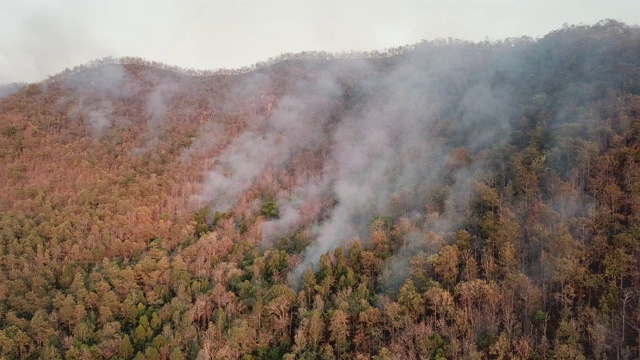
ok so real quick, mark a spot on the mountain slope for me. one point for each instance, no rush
(445, 200)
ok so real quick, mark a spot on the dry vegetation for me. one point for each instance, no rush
(445, 200)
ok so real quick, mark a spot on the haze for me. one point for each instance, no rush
(40, 38)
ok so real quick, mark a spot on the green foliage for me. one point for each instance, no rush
(176, 354)
(275, 265)
(381, 221)
(486, 341)
(200, 218)
(277, 352)
(293, 244)
(126, 349)
(438, 347)
(539, 317)
(270, 209)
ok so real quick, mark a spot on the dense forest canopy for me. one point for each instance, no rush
(447, 199)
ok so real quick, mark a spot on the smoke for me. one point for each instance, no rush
(389, 127)
(156, 109)
(236, 169)
(363, 158)
(295, 209)
(46, 40)
(398, 143)
(103, 78)
(270, 140)
(8, 89)
(157, 104)
(487, 110)
(95, 89)
(405, 137)
(100, 119)
(211, 137)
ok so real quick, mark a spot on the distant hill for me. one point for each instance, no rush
(446, 199)
(8, 89)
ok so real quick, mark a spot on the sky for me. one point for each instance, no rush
(41, 38)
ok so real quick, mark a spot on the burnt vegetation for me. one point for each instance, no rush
(447, 199)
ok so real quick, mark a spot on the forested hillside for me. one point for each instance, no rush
(444, 200)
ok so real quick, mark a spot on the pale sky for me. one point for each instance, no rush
(39, 38)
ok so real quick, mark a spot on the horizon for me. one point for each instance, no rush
(272, 60)
(39, 40)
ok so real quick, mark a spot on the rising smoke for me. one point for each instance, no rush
(398, 121)
(295, 124)
(93, 92)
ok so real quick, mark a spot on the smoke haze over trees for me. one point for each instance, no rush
(447, 199)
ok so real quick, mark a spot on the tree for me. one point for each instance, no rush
(445, 264)
(279, 307)
(242, 338)
(41, 329)
(370, 328)
(126, 349)
(411, 301)
(439, 301)
(139, 336)
(339, 331)
(270, 209)
(176, 354)
(316, 328)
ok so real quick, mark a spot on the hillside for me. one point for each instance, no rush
(448, 199)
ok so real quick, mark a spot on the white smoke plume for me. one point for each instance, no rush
(96, 88)
(295, 124)
(395, 145)
(398, 120)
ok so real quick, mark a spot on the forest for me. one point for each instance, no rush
(444, 200)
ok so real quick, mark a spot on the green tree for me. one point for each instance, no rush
(411, 301)
(176, 354)
(270, 209)
(126, 349)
